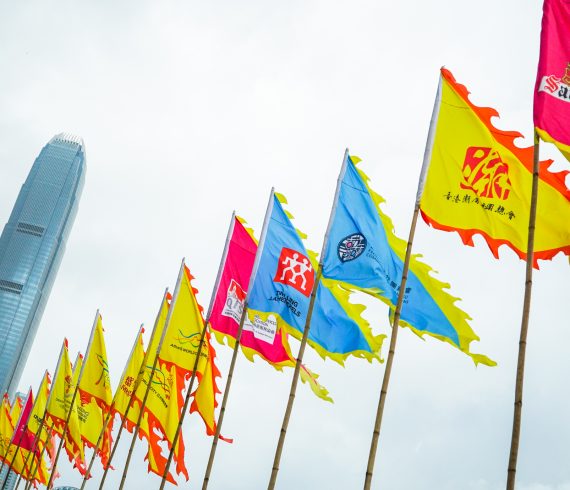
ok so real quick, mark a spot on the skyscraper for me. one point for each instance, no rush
(32, 246)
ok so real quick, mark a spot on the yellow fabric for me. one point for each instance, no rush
(128, 381)
(38, 410)
(95, 380)
(182, 338)
(479, 181)
(6, 429)
(60, 403)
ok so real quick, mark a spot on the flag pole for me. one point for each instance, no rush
(391, 353)
(515, 437)
(15, 455)
(34, 468)
(401, 292)
(107, 420)
(295, 380)
(198, 353)
(40, 427)
(237, 342)
(68, 418)
(132, 397)
(155, 362)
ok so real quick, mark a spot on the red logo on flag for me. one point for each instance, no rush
(236, 290)
(485, 173)
(294, 269)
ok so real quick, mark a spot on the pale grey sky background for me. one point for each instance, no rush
(190, 110)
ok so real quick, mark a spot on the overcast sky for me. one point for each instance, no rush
(190, 110)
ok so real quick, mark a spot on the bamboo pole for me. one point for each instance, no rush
(11, 465)
(108, 418)
(391, 353)
(202, 337)
(515, 438)
(36, 437)
(298, 364)
(294, 382)
(184, 409)
(155, 362)
(34, 468)
(73, 398)
(224, 400)
(239, 331)
(133, 393)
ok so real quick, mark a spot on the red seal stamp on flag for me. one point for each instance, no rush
(295, 269)
(485, 173)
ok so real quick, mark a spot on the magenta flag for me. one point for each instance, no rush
(552, 89)
(22, 436)
(227, 307)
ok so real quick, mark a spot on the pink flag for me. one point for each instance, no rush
(227, 305)
(22, 436)
(552, 89)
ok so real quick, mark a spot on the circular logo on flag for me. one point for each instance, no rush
(351, 247)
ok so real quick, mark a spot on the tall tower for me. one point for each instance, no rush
(32, 246)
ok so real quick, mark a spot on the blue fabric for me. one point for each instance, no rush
(377, 269)
(331, 328)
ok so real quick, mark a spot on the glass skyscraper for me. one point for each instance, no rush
(32, 246)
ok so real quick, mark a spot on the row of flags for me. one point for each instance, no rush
(474, 180)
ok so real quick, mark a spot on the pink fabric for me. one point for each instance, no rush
(232, 289)
(552, 89)
(22, 436)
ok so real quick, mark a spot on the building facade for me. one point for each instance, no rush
(32, 246)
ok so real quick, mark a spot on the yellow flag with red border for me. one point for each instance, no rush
(95, 382)
(475, 180)
(180, 348)
(128, 382)
(96, 394)
(59, 405)
(6, 428)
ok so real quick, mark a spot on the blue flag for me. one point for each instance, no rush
(363, 253)
(279, 294)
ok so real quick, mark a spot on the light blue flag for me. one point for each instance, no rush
(280, 290)
(363, 253)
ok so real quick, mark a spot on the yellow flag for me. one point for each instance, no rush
(95, 382)
(477, 181)
(6, 429)
(182, 337)
(180, 347)
(129, 379)
(95, 393)
(59, 405)
(38, 410)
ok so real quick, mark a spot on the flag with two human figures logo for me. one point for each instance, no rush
(552, 90)
(476, 180)
(363, 253)
(283, 280)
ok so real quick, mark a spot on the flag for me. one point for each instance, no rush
(95, 394)
(37, 414)
(229, 296)
(182, 340)
(161, 402)
(283, 279)
(128, 383)
(22, 436)
(552, 89)
(23, 442)
(95, 382)
(59, 406)
(364, 254)
(6, 429)
(475, 180)
(227, 308)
